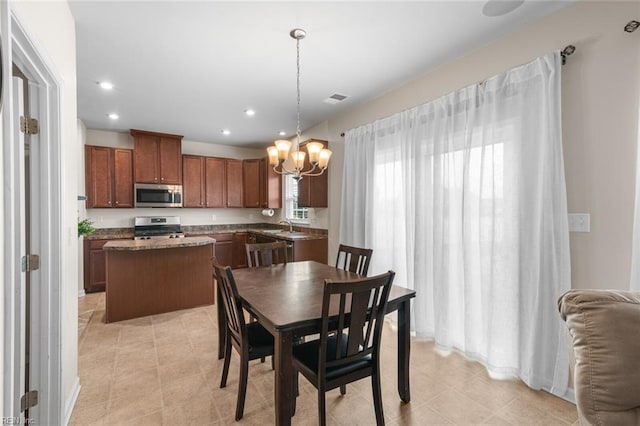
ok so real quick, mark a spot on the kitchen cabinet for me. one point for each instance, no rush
(270, 186)
(313, 191)
(193, 181)
(94, 258)
(299, 249)
(108, 177)
(233, 174)
(215, 182)
(223, 248)
(157, 157)
(239, 259)
(251, 183)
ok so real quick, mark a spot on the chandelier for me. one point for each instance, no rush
(279, 152)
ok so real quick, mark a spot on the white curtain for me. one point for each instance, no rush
(464, 197)
(635, 244)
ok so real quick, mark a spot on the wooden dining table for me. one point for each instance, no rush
(287, 301)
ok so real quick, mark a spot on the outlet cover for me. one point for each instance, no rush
(579, 222)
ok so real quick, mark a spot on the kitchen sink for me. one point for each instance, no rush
(273, 231)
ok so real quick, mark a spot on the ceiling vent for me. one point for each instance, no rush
(336, 98)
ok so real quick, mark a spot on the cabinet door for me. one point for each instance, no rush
(313, 191)
(170, 159)
(270, 186)
(94, 266)
(98, 176)
(224, 248)
(251, 183)
(146, 167)
(239, 251)
(193, 181)
(215, 182)
(123, 178)
(234, 183)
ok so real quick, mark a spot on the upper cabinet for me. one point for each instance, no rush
(108, 177)
(234, 178)
(157, 157)
(262, 186)
(270, 186)
(204, 182)
(313, 190)
(251, 179)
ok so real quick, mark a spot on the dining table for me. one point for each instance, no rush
(287, 300)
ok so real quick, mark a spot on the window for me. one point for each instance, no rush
(293, 212)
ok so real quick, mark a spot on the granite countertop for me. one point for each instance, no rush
(131, 245)
(286, 235)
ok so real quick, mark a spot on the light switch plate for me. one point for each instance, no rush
(579, 222)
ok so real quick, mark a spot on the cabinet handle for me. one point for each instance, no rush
(161, 178)
(117, 202)
(109, 202)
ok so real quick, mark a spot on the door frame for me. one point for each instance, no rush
(45, 102)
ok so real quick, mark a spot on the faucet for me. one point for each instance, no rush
(287, 221)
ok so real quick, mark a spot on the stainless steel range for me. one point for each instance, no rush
(157, 227)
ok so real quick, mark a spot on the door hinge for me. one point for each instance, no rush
(30, 262)
(28, 125)
(28, 400)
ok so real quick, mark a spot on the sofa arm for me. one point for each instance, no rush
(605, 327)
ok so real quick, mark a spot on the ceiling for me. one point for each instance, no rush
(193, 68)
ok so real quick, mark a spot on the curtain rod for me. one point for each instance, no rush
(567, 51)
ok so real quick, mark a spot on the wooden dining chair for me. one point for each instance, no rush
(250, 340)
(349, 345)
(354, 259)
(266, 254)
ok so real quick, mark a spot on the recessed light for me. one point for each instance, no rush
(282, 133)
(250, 112)
(225, 132)
(113, 116)
(106, 85)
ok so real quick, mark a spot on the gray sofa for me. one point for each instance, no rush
(605, 327)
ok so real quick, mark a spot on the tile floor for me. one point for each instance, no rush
(163, 370)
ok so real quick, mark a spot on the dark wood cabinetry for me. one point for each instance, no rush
(239, 259)
(95, 276)
(234, 181)
(251, 183)
(298, 250)
(193, 181)
(215, 182)
(270, 186)
(157, 157)
(108, 177)
(223, 248)
(313, 190)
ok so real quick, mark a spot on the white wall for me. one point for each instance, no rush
(51, 27)
(600, 84)
(116, 218)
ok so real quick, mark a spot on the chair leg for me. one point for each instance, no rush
(242, 387)
(227, 360)
(343, 389)
(322, 414)
(377, 398)
(295, 393)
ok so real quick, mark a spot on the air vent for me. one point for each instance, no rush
(336, 98)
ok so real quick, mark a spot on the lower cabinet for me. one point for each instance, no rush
(298, 250)
(95, 272)
(239, 258)
(223, 248)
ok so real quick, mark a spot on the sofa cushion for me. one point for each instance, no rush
(605, 327)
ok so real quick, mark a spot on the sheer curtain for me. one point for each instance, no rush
(464, 197)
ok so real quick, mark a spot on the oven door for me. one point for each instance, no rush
(150, 195)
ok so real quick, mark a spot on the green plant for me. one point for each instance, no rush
(85, 227)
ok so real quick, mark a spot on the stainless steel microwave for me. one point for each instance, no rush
(151, 195)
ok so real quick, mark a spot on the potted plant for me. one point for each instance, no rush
(85, 227)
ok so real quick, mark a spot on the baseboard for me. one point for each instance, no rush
(71, 402)
(81, 293)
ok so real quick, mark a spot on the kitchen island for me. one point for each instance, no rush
(148, 277)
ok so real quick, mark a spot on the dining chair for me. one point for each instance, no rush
(250, 340)
(266, 254)
(348, 348)
(354, 259)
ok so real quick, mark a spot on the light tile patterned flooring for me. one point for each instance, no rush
(163, 370)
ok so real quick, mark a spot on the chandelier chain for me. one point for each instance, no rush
(298, 91)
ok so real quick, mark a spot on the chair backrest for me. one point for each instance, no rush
(354, 259)
(361, 306)
(231, 301)
(266, 254)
